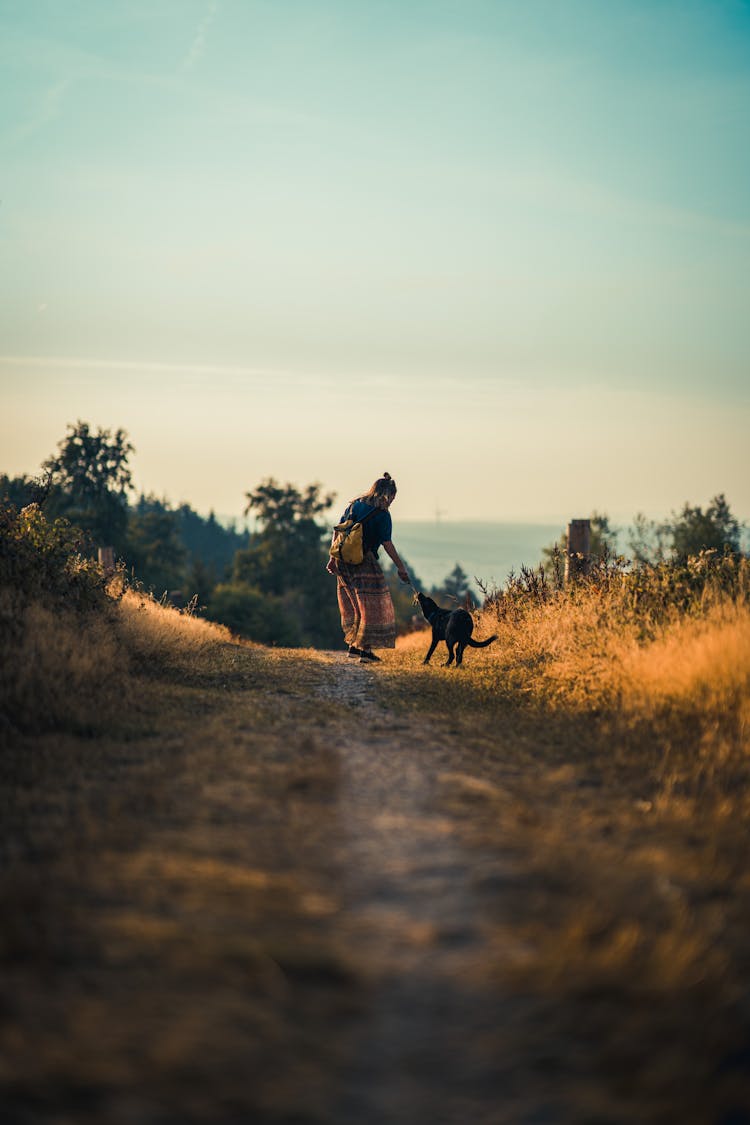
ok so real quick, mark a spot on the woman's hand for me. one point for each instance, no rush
(330, 567)
(395, 558)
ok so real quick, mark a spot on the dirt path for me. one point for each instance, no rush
(293, 898)
(407, 894)
(408, 879)
(420, 909)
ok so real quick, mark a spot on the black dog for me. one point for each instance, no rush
(454, 626)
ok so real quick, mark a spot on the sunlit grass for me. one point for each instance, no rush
(571, 654)
(669, 704)
(701, 665)
(66, 670)
(579, 788)
(158, 635)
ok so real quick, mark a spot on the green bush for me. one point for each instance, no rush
(42, 561)
(252, 614)
(60, 657)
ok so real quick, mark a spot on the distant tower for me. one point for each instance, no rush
(439, 512)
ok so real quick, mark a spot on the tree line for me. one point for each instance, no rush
(269, 585)
(682, 534)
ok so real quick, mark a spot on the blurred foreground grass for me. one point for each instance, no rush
(246, 884)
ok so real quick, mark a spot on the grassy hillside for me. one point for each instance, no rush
(74, 642)
(242, 883)
(661, 655)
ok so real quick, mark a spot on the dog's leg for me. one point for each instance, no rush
(459, 654)
(449, 661)
(430, 651)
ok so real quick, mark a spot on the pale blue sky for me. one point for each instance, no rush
(499, 249)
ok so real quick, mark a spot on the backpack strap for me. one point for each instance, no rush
(350, 511)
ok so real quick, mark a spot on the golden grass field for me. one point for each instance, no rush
(268, 885)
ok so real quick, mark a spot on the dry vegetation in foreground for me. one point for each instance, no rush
(660, 657)
(240, 883)
(72, 642)
(67, 671)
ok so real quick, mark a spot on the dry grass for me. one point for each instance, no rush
(698, 666)
(67, 670)
(579, 656)
(159, 637)
(630, 798)
(665, 717)
(305, 890)
(59, 670)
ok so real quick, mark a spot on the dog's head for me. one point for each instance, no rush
(427, 605)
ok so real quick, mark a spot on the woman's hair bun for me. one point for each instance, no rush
(384, 489)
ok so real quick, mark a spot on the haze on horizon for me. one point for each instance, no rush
(500, 249)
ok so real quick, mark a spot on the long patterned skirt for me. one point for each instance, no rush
(367, 616)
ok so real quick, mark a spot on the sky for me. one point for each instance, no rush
(498, 248)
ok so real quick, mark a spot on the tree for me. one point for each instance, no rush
(201, 581)
(209, 543)
(694, 530)
(286, 557)
(18, 491)
(284, 506)
(648, 540)
(91, 480)
(288, 549)
(154, 546)
(257, 616)
(686, 533)
(456, 584)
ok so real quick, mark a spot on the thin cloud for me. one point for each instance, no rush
(224, 373)
(147, 366)
(85, 369)
(198, 46)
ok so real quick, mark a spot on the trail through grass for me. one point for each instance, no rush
(285, 887)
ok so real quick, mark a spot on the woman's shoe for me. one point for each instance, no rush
(368, 657)
(354, 651)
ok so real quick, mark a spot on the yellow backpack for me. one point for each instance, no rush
(347, 543)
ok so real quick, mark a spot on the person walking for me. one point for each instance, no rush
(367, 617)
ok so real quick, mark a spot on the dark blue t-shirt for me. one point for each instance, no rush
(377, 530)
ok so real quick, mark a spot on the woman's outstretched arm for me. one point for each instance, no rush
(391, 551)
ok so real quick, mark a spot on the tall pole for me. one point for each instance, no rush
(107, 559)
(578, 550)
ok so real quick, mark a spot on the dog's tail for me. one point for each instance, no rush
(482, 644)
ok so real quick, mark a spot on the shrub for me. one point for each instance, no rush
(667, 644)
(42, 560)
(60, 664)
(70, 638)
(257, 616)
(646, 596)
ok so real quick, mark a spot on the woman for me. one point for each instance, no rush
(367, 616)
